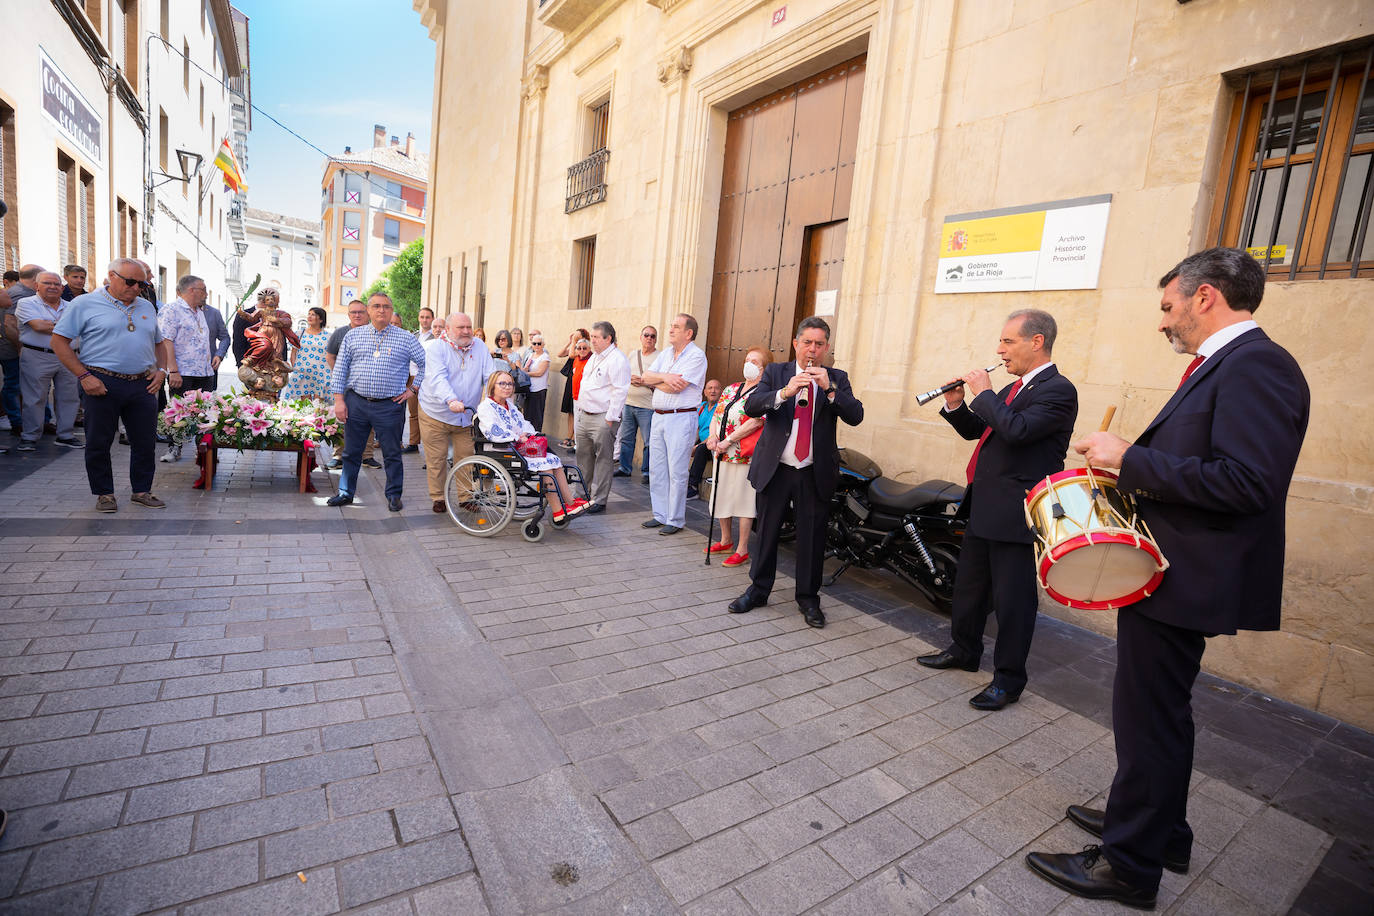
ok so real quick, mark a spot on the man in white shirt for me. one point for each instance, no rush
(39, 368)
(456, 371)
(677, 377)
(424, 336)
(185, 323)
(605, 385)
(639, 405)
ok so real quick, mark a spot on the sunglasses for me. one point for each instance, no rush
(650, 336)
(126, 279)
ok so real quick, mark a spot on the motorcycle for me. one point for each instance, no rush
(913, 531)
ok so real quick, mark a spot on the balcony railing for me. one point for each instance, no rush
(587, 181)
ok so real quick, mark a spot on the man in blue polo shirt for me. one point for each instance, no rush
(122, 365)
(370, 393)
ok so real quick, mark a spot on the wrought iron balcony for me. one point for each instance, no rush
(587, 181)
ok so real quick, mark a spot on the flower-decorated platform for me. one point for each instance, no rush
(237, 421)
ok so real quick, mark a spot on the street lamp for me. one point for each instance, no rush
(190, 164)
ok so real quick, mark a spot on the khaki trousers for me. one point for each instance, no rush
(436, 437)
(595, 439)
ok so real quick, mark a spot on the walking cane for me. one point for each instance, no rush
(711, 520)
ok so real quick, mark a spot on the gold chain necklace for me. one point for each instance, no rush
(128, 311)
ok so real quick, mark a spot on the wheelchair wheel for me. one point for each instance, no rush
(484, 504)
(532, 531)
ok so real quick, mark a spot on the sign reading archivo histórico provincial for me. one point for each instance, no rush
(1054, 245)
(68, 108)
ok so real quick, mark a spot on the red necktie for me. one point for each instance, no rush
(1197, 361)
(803, 415)
(973, 460)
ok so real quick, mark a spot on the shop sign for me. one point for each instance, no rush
(68, 108)
(1055, 245)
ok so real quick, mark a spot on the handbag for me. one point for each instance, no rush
(534, 447)
(749, 443)
(521, 379)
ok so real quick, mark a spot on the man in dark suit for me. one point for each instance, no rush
(797, 463)
(1023, 432)
(1210, 476)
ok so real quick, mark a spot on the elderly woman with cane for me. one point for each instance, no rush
(732, 440)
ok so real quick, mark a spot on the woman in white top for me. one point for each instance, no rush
(501, 421)
(536, 366)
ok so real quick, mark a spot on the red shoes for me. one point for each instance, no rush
(736, 559)
(719, 548)
(576, 507)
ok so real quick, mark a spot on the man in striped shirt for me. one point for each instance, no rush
(371, 387)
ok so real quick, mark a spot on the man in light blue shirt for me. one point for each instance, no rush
(456, 374)
(370, 385)
(122, 365)
(39, 368)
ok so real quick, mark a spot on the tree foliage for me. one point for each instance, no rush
(402, 281)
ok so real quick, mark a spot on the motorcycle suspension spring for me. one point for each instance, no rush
(911, 532)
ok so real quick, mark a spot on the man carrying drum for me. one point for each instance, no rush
(1023, 432)
(1210, 477)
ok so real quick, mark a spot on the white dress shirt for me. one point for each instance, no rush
(789, 451)
(605, 384)
(1221, 338)
(691, 365)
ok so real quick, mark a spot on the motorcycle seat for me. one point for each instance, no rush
(886, 493)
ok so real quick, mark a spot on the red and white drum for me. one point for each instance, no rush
(1092, 551)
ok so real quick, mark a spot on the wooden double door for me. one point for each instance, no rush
(784, 209)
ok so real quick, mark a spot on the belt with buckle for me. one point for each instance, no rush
(678, 410)
(41, 349)
(124, 375)
(366, 398)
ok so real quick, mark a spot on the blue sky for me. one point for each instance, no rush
(329, 71)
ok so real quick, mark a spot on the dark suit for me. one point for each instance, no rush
(997, 561)
(1210, 475)
(808, 489)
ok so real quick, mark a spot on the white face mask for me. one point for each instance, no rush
(751, 372)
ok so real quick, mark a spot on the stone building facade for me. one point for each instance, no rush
(285, 251)
(754, 162)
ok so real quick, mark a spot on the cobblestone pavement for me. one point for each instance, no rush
(249, 702)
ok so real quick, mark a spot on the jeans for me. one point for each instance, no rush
(635, 418)
(130, 401)
(9, 395)
(385, 418)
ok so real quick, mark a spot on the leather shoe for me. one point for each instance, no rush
(440, 506)
(811, 612)
(993, 698)
(1088, 874)
(1091, 819)
(410, 449)
(371, 463)
(594, 508)
(651, 523)
(394, 503)
(619, 473)
(340, 500)
(747, 602)
(943, 660)
(669, 529)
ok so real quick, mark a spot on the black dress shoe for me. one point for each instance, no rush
(993, 698)
(645, 481)
(669, 529)
(339, 501)
(1091, 820)
(594, 508)
(651, 523)
(619, 473)
(1088, 874)
(747, 602)
(372, 463)
(944, 660)
(410, 449)
(813, 615)
(394, 503)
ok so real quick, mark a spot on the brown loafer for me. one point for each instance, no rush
(106, 503)
(440, 506)
(149, 500)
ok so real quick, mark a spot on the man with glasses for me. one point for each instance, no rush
(185, 325)
(639, 405)
(39, 369)
(357, 317)
(123, 363)
(370, 393)
(456, 372)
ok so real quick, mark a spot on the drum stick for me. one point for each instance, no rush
(1107, 418)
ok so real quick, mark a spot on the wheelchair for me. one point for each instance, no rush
(494, 486)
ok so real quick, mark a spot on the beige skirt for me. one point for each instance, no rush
(735, 495)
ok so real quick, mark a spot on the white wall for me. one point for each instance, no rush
(298, 270)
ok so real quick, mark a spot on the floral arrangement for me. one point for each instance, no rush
(234, 420)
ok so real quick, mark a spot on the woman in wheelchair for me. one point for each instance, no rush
(502, 423)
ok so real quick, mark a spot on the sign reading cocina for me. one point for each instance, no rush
(1040, 246)
(68, 108)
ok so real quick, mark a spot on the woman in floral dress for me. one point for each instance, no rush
(309, 372)
(501, 421)
(734, 496)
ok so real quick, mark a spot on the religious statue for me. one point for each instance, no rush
(264, 369)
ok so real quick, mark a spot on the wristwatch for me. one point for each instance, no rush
(830, 390)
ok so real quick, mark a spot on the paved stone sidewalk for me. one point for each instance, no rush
(417, 721)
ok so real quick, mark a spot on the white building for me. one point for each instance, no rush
(117, 95)
(285, 250)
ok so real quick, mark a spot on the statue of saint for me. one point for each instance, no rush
(264, 369)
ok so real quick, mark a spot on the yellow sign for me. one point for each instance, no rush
(993, 235)
(1276, 253)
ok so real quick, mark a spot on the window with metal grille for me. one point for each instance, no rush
(85, 223)
(584, 266)
(9, 224)
(1299, 166)
(598, 125)
(587, 179)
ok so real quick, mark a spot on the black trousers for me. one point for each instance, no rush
(791, 487)
(534, 408)
(701, 457)
(128, 400)
(195, 383)
(996, 575)
(1152, 722)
